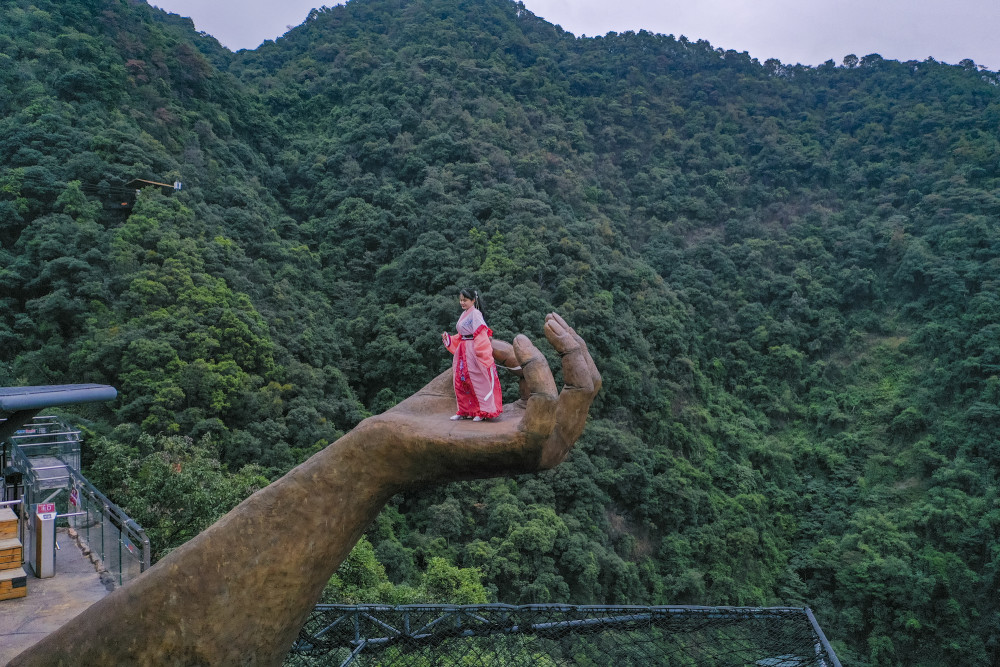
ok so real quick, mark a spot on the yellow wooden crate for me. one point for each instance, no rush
(10, 554)
(13, 584)
(8, 523)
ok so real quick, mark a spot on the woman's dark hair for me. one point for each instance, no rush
(473, 296)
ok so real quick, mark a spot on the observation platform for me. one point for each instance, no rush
(51, 602)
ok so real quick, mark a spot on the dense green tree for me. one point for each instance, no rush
(173, 487)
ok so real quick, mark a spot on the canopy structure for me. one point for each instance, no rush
(20, 404)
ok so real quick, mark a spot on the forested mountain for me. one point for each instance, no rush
(787, 276)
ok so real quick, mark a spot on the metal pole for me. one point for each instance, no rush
(89, 543)
(145, 553)
(822, 638)
(104, 548)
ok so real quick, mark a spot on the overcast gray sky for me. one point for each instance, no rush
(793, 31)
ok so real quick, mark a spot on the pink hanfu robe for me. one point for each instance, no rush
(477, 387)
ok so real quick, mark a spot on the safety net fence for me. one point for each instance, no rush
(557, 635)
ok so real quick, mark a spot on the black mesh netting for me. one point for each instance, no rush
(551, 635)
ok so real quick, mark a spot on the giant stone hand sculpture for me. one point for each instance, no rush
(238, 593)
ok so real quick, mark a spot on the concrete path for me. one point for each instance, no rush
(50, 602)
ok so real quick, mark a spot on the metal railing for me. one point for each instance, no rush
(551, 635)
(51, 447)
(47, 454)
(120, 543)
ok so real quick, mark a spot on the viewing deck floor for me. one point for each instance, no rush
(50, 602)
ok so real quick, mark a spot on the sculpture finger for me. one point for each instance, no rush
(595, 375)
(581, 383)
(539, 415)
(436, 395)
(506, 358)
(504, 355)
(576, 371)
(442, 385)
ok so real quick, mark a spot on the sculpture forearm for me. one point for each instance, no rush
(250, 579)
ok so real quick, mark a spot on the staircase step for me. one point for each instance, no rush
(13, 584)
(10, 554)
(8, 523)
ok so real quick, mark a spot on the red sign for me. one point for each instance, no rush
(46, 508)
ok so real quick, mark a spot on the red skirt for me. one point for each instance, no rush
(477, 387)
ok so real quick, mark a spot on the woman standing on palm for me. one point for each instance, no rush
(477, 387)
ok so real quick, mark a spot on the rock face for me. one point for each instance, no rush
(239, 592)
